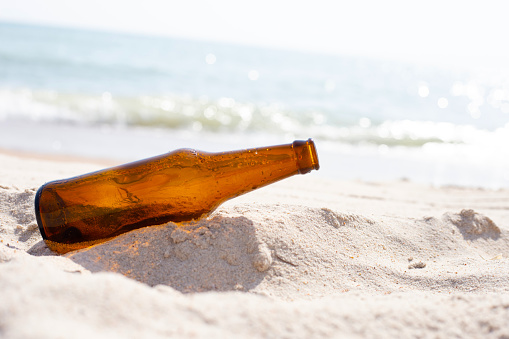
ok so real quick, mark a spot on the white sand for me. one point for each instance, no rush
(304, 258)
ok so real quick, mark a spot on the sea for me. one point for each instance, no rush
(122, 97)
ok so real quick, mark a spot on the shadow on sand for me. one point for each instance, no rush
(220, 254)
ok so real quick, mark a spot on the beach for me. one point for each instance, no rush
(403, 232)
(306, 257)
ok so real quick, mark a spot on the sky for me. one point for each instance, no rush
(440, 30)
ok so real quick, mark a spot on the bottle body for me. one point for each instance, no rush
(182, 185)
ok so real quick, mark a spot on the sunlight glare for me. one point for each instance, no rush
(210, 59)
(443, 102)
(423, 91)
(253, 75)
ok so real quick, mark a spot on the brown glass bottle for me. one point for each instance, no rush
(182, 185)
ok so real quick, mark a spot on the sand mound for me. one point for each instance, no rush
(473, 225)
(291, 252)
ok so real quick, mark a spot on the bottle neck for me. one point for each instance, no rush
(242, 171)
(299, 157)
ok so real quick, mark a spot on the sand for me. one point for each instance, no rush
(308, 257)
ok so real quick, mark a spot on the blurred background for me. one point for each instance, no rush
(389, 90)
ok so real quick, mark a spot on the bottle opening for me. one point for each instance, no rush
(307, 158)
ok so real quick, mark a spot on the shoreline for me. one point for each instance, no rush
(109, 144)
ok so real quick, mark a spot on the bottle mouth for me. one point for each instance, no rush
(307, 157)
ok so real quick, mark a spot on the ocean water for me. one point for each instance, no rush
(382, 119)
